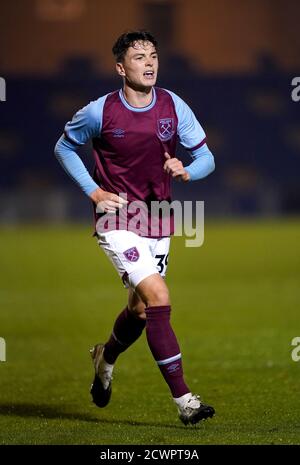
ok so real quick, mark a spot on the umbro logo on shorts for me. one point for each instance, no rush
(132, 254)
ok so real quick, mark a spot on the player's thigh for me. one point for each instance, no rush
(153, 290)
(130, 255)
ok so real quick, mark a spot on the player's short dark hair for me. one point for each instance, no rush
(127, 39)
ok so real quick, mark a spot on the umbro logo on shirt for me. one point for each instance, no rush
(118, 132)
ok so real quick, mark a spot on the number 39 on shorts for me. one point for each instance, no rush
(162, 263)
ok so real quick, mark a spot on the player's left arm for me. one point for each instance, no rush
(193, 139)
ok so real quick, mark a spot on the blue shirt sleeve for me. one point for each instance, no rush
(85, 125)
(203, 164)
(65, 152)
(189, 130)
(192, 137)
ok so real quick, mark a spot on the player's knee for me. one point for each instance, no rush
(138, 310)
(158, 297)
(140, 315)
(153, 291)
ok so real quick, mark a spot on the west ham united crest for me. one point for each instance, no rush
(166, 128)
(132, 254)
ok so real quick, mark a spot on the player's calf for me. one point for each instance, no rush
(135, 305)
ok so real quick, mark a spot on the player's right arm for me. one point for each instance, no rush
(192, 137)
(85, 125)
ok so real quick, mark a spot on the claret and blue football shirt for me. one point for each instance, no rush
(129, 145)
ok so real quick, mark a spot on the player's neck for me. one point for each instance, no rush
(138, 97)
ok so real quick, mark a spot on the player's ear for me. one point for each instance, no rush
(120, 69)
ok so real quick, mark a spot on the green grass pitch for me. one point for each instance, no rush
(235, 312)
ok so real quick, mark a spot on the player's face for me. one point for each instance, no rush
(140, 65)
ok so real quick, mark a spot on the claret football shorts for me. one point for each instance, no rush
(135, 257)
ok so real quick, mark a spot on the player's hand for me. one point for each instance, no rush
(175, 168)
(107, 202)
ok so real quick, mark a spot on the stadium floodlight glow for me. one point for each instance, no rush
(2, 90)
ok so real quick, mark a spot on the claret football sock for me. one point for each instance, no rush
(165, 349)
(127, 329)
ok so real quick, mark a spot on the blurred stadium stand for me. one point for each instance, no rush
(251, 122)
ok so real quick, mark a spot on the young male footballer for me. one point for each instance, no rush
(134, 132)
